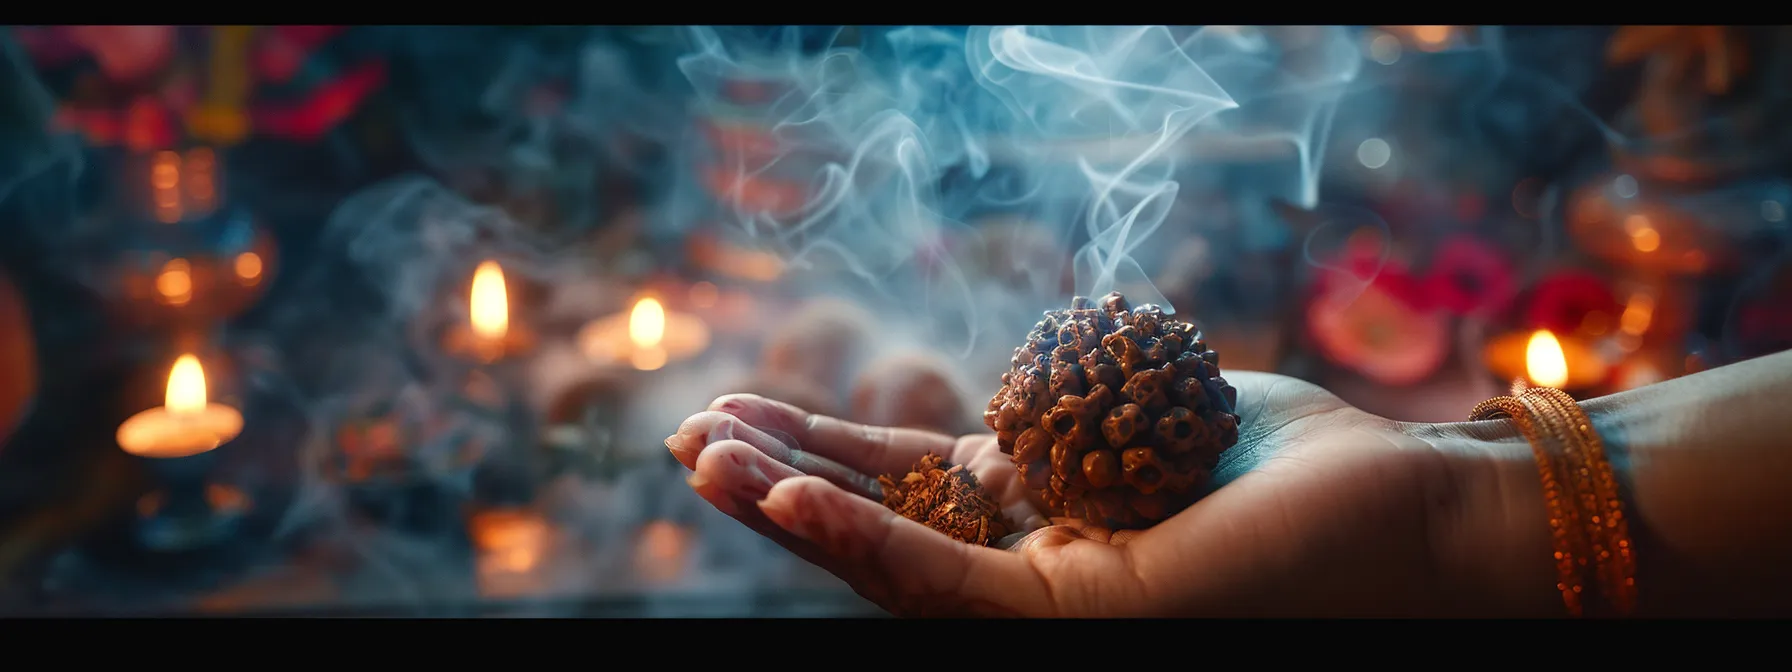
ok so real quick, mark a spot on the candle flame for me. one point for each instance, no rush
(1544, 360)
(647, 323)
(186, 386)
(490, 308)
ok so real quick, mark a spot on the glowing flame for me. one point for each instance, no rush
(647, 323)
(490, 308)
(1544, 360)
(186, 386)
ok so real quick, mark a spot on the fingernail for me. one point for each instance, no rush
(723, 431)
(679, 447)
(731, 407)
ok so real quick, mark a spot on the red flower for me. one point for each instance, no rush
(1378, 335)
(1561, 302)
(1364, 264)
(1470, 277)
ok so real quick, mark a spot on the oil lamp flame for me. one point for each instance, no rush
(647, 323)
(186, 386)
(490, 309)
(1544, 361)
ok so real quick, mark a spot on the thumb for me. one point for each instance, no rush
(903, 566)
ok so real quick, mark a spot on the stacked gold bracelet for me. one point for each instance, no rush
(1593, 551)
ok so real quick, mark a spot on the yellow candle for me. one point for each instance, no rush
(647, 337)
(1541, 358)
(186, 423)
(488, 334)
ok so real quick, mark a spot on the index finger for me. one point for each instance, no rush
(869, 449)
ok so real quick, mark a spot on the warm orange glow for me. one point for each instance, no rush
(164, 172)
(1643, 235)
(490, 309)
(661, 552)
(175, 283)
(1431, 36)
(200, 186)
(513, 541)
(1637, 314)
(248, 265)
(186, 386)
(647, 323)
(1544, 362)
(164, 183)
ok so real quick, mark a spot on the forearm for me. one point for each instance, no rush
(1702, 463)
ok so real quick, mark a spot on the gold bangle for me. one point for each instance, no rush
(1562, 528)
(1587, 520)
(1601, 508)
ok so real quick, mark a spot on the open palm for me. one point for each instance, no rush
(1313, 482)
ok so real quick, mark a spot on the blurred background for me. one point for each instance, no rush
(335, 320)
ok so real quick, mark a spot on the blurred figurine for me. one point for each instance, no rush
(823, 344)
(145, 88)
(914, 390)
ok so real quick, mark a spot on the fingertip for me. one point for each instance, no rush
(693, 435)
(790, 494)
(729, 403)
(762, 412)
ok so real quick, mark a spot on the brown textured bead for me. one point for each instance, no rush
(1032, 446)
(1115, 414)
(1123, 423)
(1067, 379)
(1149, 389)
(1065, 460)
(1143, 470)
(1101, 468)
(1180, 430)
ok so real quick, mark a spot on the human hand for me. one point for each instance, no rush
(1319, 509)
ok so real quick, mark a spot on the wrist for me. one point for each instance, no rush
(1491, 546)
